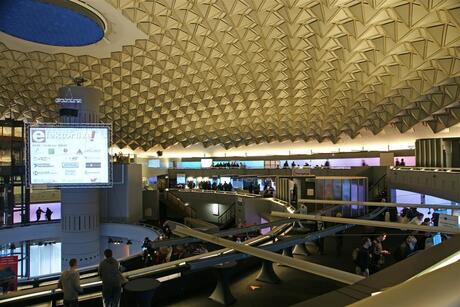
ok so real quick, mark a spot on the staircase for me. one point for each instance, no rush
(179, 205)
(377, 189)
(227, 218)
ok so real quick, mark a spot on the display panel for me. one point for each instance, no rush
(206, 163)
(69, 155)
(154, 163)
(180, 179)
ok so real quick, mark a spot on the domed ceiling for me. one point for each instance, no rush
(237, 72)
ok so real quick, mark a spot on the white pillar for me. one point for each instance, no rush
(80, 226)
(80, 207)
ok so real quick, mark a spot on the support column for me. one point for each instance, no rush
(80, 226)
(80, 207)
(267, 274)
(300, 249)
(222, 293)
(287, 251)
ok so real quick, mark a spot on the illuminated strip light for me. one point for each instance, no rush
(212, 255)
(169, 277)
(31, 295)
(94, 283)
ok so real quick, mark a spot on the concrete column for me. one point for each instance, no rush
(288, 252)
(80, 207)
(267, 273)
(80, 226)
(300, 249)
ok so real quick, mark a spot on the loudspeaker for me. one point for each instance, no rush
(159, 153)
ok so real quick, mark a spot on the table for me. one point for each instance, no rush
(140, 291)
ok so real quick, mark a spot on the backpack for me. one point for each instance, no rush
(354, 254)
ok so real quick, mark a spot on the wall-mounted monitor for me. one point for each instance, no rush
(154, 163)
(69, 155)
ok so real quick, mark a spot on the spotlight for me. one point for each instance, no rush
(129, 242)
(110, 240)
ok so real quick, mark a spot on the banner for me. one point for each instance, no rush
(8, 274)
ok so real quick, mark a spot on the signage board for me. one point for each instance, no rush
(8, 274)
(69, 155)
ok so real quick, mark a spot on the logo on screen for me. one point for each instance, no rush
(38, 136)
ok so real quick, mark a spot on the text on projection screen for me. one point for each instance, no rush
(74, 155)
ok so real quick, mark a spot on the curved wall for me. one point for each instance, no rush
(53, 231)
(30, 233)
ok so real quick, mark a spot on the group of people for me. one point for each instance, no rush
(157, 255)
(293, 165)
(112, 281)
(232, 164)
(370, 256)
(413, 216)
(48, 214)
(400, 163)
(207, 185)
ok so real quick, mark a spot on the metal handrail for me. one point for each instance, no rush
(227, 215)
(377, 184)
(426, 169)
(8, 226)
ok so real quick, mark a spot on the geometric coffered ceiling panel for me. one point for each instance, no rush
(237, 72)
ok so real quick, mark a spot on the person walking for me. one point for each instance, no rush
(48, 214)
(112, 280)
(38, 213)
(69, 282)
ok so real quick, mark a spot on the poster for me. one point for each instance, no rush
(8, 274)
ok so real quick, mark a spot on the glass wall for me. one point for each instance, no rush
(343, 188)
(261, 164)
(408, 197)
(45, 259)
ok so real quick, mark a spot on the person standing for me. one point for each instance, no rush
(363, 258)
(112, 280)
(339, 238)
(378, 253)
(39, 213)
(320, 242)
(48, 214)
(69, 282)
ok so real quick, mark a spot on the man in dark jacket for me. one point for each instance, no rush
(363, 259)
(69, 282)
(109, 272)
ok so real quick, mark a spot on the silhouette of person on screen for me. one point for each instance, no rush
(39, 213)
(48, 214)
